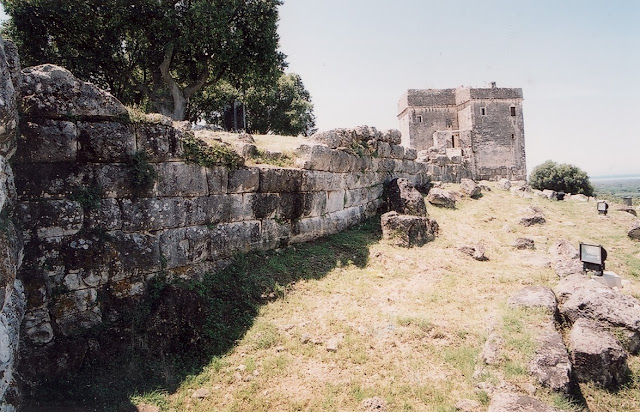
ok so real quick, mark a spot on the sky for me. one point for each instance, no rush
(578, 63)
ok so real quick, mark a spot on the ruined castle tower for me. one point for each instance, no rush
(481, 127)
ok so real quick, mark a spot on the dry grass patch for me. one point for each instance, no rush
(408, 325)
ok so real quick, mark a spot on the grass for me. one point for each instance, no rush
(408, 324)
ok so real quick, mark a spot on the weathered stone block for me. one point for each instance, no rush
(338, 221)
(410, 153)
(317, 180)
(47, 141)
(106, 216)
(275, 233)
(153, 214)
(551, 365)
(105, 142)
(50, 181)
(442, 198)
(406, 230)
(181, 179)
(229, 238)
(397, 152)
(335, 200)
(186, 245)
(292, 206)
(634, 230)
(244, 180)
(217, 179)
(76, 311)
(117, 181)
(264, 205)
(160, 141)
(51, 91)
(391, 136)
(386, 165)
(51, 218)
(384, 149)
(403, 198)
(307, 229)
(315, 204)
(276, 180)
(356, 197)
(37, 325)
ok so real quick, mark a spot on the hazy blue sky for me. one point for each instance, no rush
(578, 63)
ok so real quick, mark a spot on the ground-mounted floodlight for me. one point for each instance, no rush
(560, 195)
(593, 257)
(602, 207)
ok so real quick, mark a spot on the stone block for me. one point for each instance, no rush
(50, 91)
(264, 205)
(551, 365)
(105, 142)
(317, 180)
(386, 165)
(244, 180)
(402, 197)
(397, 152)
(160, 141)
(391, 136)
(51, 218)
(240, 207)
(76, 311)
(107, 215)
(275, 233)
(181, 179)
(50, 181)
(116, 181)
(185, 246)
(406, 230)
(335, 201)
(230, 238)
(384, 150)
(291, 206)
(315, 204)
(338, 221)
(410, 153)
(47, 141)
(153, 214)
(441, 198)
(277, 180)
(356, 197)
(217, 179)
(37, 326)
(307, 229)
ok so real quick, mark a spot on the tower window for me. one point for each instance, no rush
(513, 110)
(483, 111)
(419, 119)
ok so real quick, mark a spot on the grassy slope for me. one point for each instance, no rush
(409, 323)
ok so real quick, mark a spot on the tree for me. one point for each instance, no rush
(156, 53)
(561, 178)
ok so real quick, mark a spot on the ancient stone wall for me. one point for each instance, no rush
(12, 299)
(97, 231)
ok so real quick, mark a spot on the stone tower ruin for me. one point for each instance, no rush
(478, 130)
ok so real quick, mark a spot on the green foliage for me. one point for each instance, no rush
(209, 155)
(160, 54)
(89, 197)
(561, 178)
(284, 159)
(143, 174)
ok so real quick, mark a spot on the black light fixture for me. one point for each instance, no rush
(602, 207)
(593, 257)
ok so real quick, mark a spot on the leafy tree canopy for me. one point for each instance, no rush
(154, 53)
(561, 178)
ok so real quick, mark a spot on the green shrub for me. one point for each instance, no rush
(209, 155)
(561, 178)
(143, 174)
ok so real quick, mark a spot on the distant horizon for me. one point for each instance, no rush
(626, 176)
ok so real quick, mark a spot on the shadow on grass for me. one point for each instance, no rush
(182, 326)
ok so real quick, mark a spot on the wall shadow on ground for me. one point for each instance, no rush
(182, 325)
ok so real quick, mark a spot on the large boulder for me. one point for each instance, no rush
(524, 243)
(476, 251)
(50, 91)
(504, 184)
(634, 230)
(470, 188)
(596, 355)
(531, 215)
(441, 198)
(406, 230)
(566, 258)
(583, 298)
(403, 198)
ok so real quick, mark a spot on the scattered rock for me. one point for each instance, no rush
(634, 230)
(535, 297)
(374, 404)
(491, 352)
(551, 364)
(408, 231)
(246, 138)
(476, 252)
(403, 198)
(578, 198)
(200, 393)
(305, 339)
(484, 186)
(506, 228)
(566, 258)
(512, 402)
(524, 243)
(468, 405)
(147, 408)
(470, 188)
(596, 355)
(504, 184)
(441, 198)
(550, 194)
(332, 345)
(531, 216)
